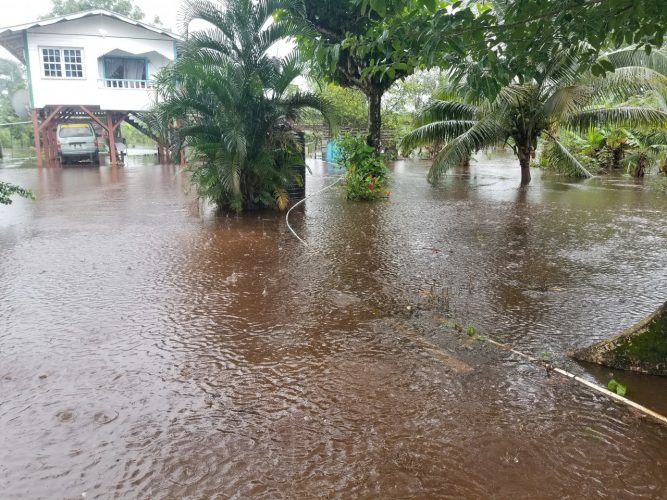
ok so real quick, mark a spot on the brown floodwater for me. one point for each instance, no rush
(151, 349)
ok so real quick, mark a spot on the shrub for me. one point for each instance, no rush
(237, 103)
(367, 175)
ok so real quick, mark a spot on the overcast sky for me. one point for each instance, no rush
(14, 12)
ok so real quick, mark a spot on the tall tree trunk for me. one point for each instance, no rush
(524, 161)
(236, 184)
(374, 117)
(640, 168)
(617, 157)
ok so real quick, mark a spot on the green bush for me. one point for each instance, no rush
(367, 175)
(237, 104)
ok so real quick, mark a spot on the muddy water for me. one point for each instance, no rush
(151, 350)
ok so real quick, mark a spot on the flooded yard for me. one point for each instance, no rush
(149, 349)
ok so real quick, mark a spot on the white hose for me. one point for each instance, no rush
(591, 385)
(340, 178)
(572, 376)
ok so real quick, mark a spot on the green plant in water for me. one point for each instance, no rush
(367, 175)
(235, 102)
(562, 95)
(7, 190)
(615, 386)
(545, 356)
(649, 150)
(471, 331)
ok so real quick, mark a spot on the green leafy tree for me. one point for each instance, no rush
(562, 95)
(351, 38)
(237, 102)
(350, 106)
(511, 41)
(12, 79)
(409, 95)
(123, 7)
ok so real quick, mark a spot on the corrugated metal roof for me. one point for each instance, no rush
(4, 32)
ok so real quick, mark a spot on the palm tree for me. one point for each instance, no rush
(522, 113)
(648, 149)
(237, 103)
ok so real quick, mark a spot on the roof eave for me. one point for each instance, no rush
(80, 15)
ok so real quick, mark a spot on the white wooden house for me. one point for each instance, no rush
(94, 62)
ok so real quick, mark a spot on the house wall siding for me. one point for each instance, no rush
(96, 36)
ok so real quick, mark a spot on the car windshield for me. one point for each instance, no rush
(77, 131)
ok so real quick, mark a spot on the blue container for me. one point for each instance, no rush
(331, 151)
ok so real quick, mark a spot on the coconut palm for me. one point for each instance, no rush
(563, 96)
(236, 102)
(648, 149)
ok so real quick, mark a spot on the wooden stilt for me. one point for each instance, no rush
(119, 121)
(36, 131)
(112, 139)
(93, 117)
(46, 138)
(50, 145)
(54, 142)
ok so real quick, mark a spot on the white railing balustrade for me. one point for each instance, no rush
(112, 83)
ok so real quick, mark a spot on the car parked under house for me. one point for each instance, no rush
(94, 65)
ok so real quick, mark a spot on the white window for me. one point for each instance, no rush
(62, 63)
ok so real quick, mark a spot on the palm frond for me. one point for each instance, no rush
(286, 29)
(209, 11)
(567, 157)
(627, 81)
(515, 95)
(566, 100)
(446, 110)
(634, 57)
(624, 116)
(434, 133)
(484, 133)
(563, 67)
(308, 100)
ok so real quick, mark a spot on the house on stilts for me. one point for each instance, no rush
(94, 65)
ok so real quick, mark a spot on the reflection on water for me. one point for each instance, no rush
(151, 349)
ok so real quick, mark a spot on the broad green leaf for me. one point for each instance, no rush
(379, 6)
(617, 387)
